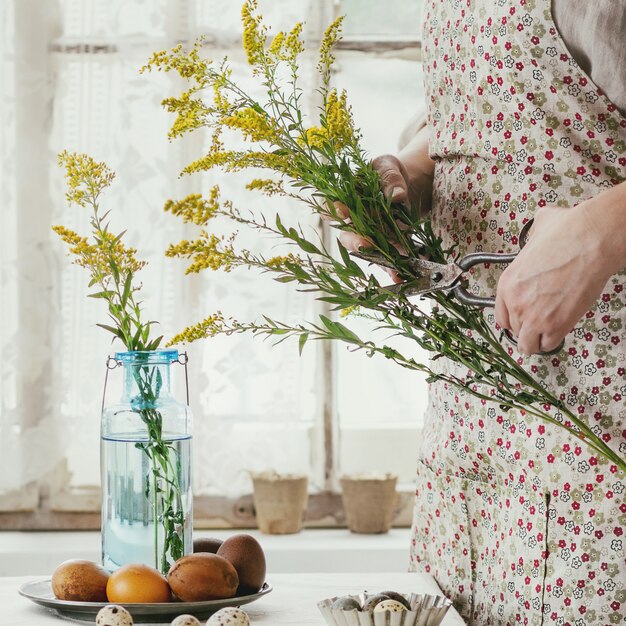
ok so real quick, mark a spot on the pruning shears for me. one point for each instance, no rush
(448, 278)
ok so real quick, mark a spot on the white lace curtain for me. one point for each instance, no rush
(69, 80)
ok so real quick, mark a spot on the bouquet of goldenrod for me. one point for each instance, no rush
(321, 163)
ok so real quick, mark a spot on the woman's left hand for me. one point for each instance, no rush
(555, 279)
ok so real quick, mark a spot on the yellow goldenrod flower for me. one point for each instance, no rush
(280, 262)
(339, 119)
(220, 101)
(209, 327)
(326, 58)
(266, 160)
(188, 64)
(85, 177)
(293, 44)
(207, 252)
(349, 310)
(213, 159)
(191, 113)
(69, 236)
(112, 250)
(316, 137)
(254, 35)
(196, 209)
(267, 186)
(276, 47)
(253, 125)
(220, 81)
(98, 257)
(234, 161)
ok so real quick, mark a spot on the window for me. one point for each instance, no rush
(69, 80)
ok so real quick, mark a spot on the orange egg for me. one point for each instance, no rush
(134, 583)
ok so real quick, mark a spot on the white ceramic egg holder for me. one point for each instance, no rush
(426, 610)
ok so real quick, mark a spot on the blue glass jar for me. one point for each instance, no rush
(146, 466)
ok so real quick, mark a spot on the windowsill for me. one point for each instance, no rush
(312, 550)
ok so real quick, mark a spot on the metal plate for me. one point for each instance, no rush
(40, 592)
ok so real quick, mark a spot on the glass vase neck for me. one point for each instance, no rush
(146, 376)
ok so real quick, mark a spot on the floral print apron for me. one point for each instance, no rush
(519, 522)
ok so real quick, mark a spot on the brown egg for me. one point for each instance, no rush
(80, 581)
(203, 576)
(246, 554)
(207, 544)
(136, 582)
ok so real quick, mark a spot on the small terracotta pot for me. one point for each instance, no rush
(369, 502)
(280, 502)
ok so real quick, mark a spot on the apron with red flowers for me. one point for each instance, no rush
(519, 522)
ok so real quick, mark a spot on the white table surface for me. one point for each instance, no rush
(311, 551)
(293, 601)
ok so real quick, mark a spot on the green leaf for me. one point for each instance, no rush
(349, 262)
(116, 331)
(300, 274)
(302, 341)
(107, 295)
(115, 310)
(127, 288)
(154, 344)
(114, 271)
(343, 301)
(307, 246)
(136, 338)
(279, 225)
(339, 330)
(119, 236)
(270, 321)
(279, 331)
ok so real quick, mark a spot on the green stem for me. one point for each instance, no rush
(155, 511)
(169, 505)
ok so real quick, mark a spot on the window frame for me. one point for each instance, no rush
(56, 505)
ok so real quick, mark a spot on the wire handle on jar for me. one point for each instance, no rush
(183, 359)
(116, 363)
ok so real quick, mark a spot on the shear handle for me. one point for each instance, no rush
(470, 299)
(513, 340)
(469, 261)
(480, 258)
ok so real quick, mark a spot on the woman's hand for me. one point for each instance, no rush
(406, 178)
(561, 272)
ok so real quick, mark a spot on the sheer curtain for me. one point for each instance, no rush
(29, 427)
(70, 80)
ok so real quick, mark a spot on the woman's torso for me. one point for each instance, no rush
(519, 516)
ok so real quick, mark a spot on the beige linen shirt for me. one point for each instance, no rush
(594, 32)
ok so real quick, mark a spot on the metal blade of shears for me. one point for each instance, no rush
(429, 276)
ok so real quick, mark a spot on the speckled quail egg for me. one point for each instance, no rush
(113, 615)
(393, 606)
(373, 601)
(346, 603)
(394, 595)
(185, 620)
(229, 617)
